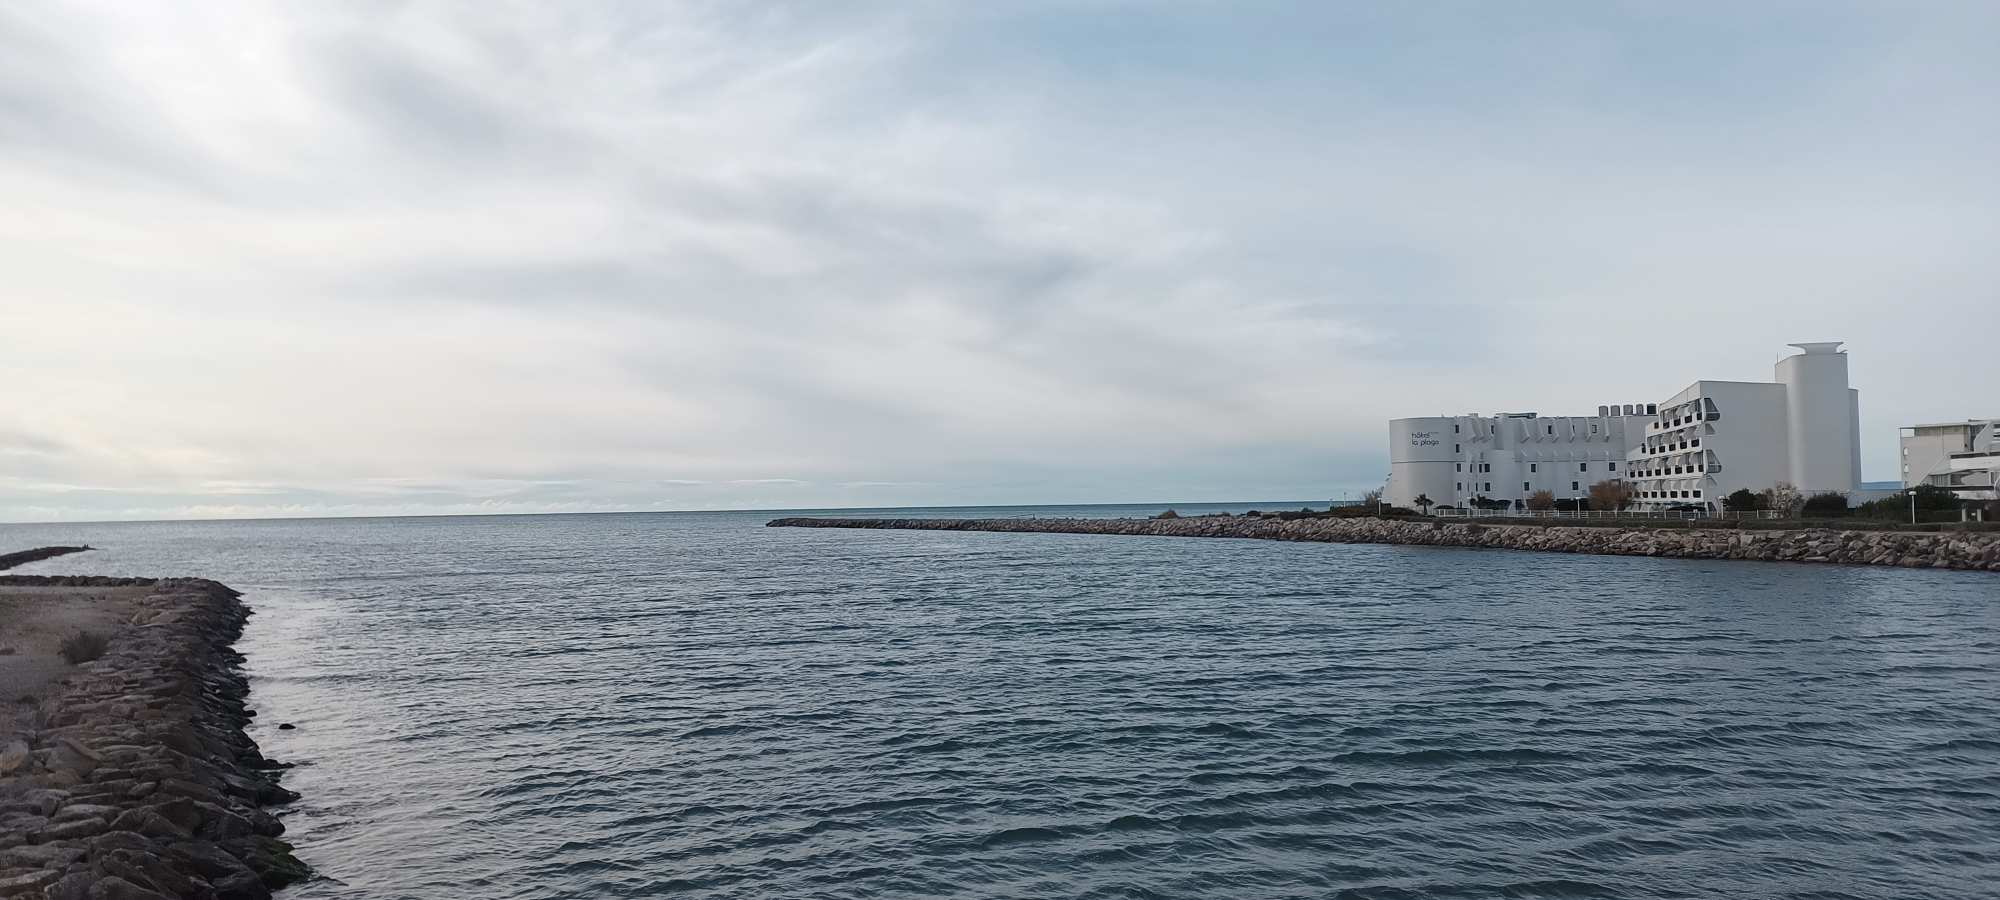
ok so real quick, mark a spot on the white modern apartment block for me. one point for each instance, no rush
(1717, 437)
(1700, 445)
(1454, 460)
(1963, 457)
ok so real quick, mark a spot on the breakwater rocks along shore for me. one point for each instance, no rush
(132, 778)
(1943, 550)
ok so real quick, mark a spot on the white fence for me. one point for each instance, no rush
(1601, 514)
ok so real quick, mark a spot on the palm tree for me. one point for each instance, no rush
(1423, 502)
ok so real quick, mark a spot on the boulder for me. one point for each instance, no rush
(14, 756)
(149, 822)
(40, 856)
(112, 887)
(28, 884)
(72, 829)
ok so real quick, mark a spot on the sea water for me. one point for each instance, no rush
(694, 705)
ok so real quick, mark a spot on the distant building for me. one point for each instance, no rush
(1696, 448)
(1963, 457)
(1717, 437)
(1454, 460)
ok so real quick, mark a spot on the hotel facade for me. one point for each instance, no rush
(1694, 449)
(1961, 457)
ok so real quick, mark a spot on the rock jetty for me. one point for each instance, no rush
(135, 779)
(1938, 550)
(23, 557)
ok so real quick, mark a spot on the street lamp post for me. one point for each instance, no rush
(1913, 506)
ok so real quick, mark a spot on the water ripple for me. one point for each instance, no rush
(643, 705)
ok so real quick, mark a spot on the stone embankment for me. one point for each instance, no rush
(135, 780)
(1939, 550)
(23, 557)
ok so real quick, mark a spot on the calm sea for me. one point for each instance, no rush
(694, 705)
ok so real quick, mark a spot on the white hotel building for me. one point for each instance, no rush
(1962, 457)
(1696, 448)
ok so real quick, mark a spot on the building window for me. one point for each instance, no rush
(1531, 467)
(1489, 485)
(1614, 467)
(1583, 467)
(1697, 495)
(1593, 428)
(1454, 448)
(1552, 429)
(1573, 487)
(1524, 486)
(1454, 428)
(1460, 487)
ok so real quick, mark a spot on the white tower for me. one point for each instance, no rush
(1823, 428)
(1421, 456)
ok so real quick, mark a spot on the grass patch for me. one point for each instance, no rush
(84, 646)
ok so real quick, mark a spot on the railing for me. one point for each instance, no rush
(1601, 514)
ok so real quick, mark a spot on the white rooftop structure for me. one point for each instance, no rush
(1962, 457)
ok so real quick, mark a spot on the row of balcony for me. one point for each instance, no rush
(1672, 447)
(1660, 425)
(1670, 471)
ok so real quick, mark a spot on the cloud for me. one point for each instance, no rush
(525, 257)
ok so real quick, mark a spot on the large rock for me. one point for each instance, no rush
(14, 756)
(28, 883)
(40, 856)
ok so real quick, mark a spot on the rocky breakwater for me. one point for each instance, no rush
(134, 780)
(23, 557)
(1941, 550)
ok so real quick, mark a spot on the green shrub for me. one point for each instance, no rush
(1825, 504)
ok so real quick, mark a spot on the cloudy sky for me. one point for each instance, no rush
(358, 258)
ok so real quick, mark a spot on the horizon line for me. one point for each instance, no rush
(638, 512)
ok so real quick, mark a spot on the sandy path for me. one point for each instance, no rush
(33, 623)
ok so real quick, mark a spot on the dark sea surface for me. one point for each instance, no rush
(693, 705)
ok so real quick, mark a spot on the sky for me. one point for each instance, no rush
(368, 258)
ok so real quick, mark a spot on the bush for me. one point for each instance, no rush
(1931, 498)
(1782, 497)
(1826, 504)
(1742, 500)
(1540, 500)
(1611, 494)
(84, 646)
